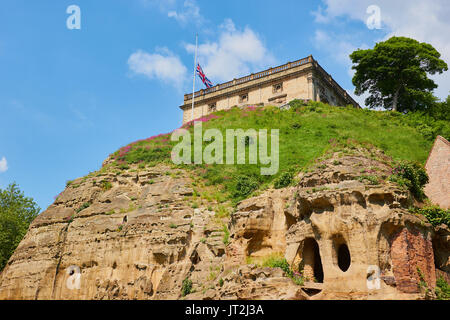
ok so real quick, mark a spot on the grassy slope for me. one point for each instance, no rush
(306, 133)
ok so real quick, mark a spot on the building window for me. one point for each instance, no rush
(243, 98)
(277, 88)
(212, 107)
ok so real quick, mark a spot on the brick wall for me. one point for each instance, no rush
(411, 250)
(438, 169)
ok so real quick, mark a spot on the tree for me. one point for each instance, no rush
(395, 73)
(16, 214)
(441, 111)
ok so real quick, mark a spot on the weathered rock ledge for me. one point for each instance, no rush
(141, 237)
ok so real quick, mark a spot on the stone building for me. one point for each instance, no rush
(302, 79)
(438, 169)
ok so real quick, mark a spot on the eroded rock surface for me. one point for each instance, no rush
(136, 234)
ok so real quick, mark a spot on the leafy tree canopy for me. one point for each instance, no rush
(16, 214)
(395, 74)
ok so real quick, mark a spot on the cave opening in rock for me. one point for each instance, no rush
(312, 262)
(344, 259)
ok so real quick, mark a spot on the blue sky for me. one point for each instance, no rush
(69, 98)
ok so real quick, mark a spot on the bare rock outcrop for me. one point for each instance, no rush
(133, 239)
(135, 234)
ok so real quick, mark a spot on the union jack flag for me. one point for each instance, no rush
(202, 76)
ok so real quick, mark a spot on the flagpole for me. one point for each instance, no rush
(193, 86)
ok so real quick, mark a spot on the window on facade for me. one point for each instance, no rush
(212, 107)
(243, 98)
(277, 88)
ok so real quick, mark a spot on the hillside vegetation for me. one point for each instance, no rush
(307, 132)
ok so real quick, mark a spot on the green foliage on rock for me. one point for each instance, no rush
(284, 180)
(413, 176)
(83, 206)
(442, 289)
(106, 185)
(186, 287)
(16, 214)
(371, 179)
(275, 261)
(226, 235)
(435, 215)
(244, 186)
(278, 261)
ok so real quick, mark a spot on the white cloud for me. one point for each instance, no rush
(425, 21)
(164, 66)
(319, 16)
(3, 165)
(235, 54)
(189, 14)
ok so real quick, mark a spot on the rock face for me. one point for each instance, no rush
(132, 242)
(137, 234)
(438, 169)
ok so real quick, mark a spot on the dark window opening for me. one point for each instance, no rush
(344, 257)
(278, 88)
(243, 98)
(212, 107)
(313, 269)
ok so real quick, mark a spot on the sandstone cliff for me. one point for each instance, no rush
(136, 234)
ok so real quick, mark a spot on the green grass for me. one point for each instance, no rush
(83, 206)
(277, 260)
(306, 133)
(226, 235)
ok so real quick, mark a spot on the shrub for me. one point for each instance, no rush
(442, 289)
(371, 179)
(413, 176)
(105, 185)
(435, 215)
(277, 261)
(244, 186)
(186, 287)
(296, 104)
(298, 278)
(284, 180)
